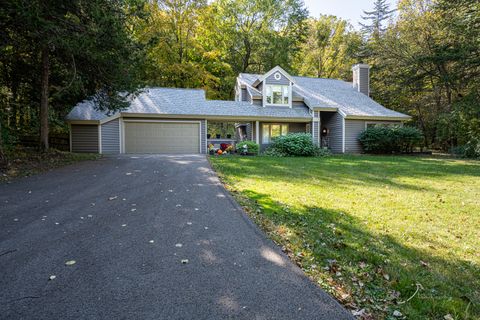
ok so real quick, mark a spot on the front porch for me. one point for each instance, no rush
(260, 132)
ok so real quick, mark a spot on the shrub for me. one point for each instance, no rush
(293, 144)
(469, 150)
(252, 147)
(390, 139)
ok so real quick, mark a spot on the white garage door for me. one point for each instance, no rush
(162, 137)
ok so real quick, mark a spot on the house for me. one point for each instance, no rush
(165, 120)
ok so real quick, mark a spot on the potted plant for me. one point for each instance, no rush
(211, 149)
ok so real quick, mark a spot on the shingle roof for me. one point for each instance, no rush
(191, 102)
(318, 92)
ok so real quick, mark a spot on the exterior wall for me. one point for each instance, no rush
(299, 104)
(257, 102)
(361, 78)
(111, 137)
(244, 94)
(283, 80)
(84, 138)
(315, 128)
(203, 136)
(353, 129)
(333, 121)
(250, 131)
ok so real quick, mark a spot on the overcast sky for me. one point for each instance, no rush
(350, 10)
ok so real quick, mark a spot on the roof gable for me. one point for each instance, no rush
(271, 72)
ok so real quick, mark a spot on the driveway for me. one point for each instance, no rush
(152, 237)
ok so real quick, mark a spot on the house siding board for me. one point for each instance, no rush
(85, 138)
(353, 129)
(299, 104)
(364, 81)
(250, 131)
(203, 136)
(111, 137)
(334, 122)
(245, 95)
(316, 128)
(282, 81)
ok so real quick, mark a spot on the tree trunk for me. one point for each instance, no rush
(44, 100)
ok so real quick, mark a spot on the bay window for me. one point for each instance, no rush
(270, 131)
(277, 94)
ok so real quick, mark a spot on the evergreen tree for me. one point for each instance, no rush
(374, 20)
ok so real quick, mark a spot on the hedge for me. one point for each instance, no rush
(390, 139)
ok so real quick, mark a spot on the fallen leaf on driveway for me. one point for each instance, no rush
(128, 173)
(184, 261)
(124, 225)
(179, 245)
(189, 223)
(113, 198)
(196, 209)
(133, 210)
(151, 241)
(52, 277)
(70, 262)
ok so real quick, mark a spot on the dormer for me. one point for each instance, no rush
(276, 87)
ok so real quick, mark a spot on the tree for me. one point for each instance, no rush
(76, 48)
(329, 49)
(376, 18)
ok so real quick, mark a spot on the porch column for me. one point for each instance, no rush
(316, 128)
(257, 132)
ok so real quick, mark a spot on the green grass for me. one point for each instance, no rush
(372, 229)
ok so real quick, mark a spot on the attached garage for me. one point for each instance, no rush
(162, 136)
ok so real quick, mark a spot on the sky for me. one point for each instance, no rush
(350, 10)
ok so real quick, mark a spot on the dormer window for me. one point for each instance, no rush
(277, 94)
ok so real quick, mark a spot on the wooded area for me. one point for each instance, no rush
(425, 56)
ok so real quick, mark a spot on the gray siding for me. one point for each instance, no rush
(257, 102)
(333, 121)
(245, 95)
(361, 78)
(203, 136)
(250, 131)
(316, 128)
(353, 128)
(283, 80)
(111, 137)
(299, 104)
(84, 138)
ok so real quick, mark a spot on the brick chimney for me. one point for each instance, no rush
(361, 78)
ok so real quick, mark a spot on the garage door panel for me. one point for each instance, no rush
(162, 137)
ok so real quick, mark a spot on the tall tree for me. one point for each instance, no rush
(375, 20)
(329, 49)
(75, 48)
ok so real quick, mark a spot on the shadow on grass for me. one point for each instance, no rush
(372, 270)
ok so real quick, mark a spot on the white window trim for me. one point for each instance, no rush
(270, 124)
(289, 104)
(383, 122)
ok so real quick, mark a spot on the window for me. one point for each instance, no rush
(270, 131)
(277, 94)
(381, 124)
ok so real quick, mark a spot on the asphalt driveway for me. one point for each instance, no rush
(152, 237)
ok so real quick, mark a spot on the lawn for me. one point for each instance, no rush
(389, 235)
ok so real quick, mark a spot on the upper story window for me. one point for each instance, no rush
(277, 94)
